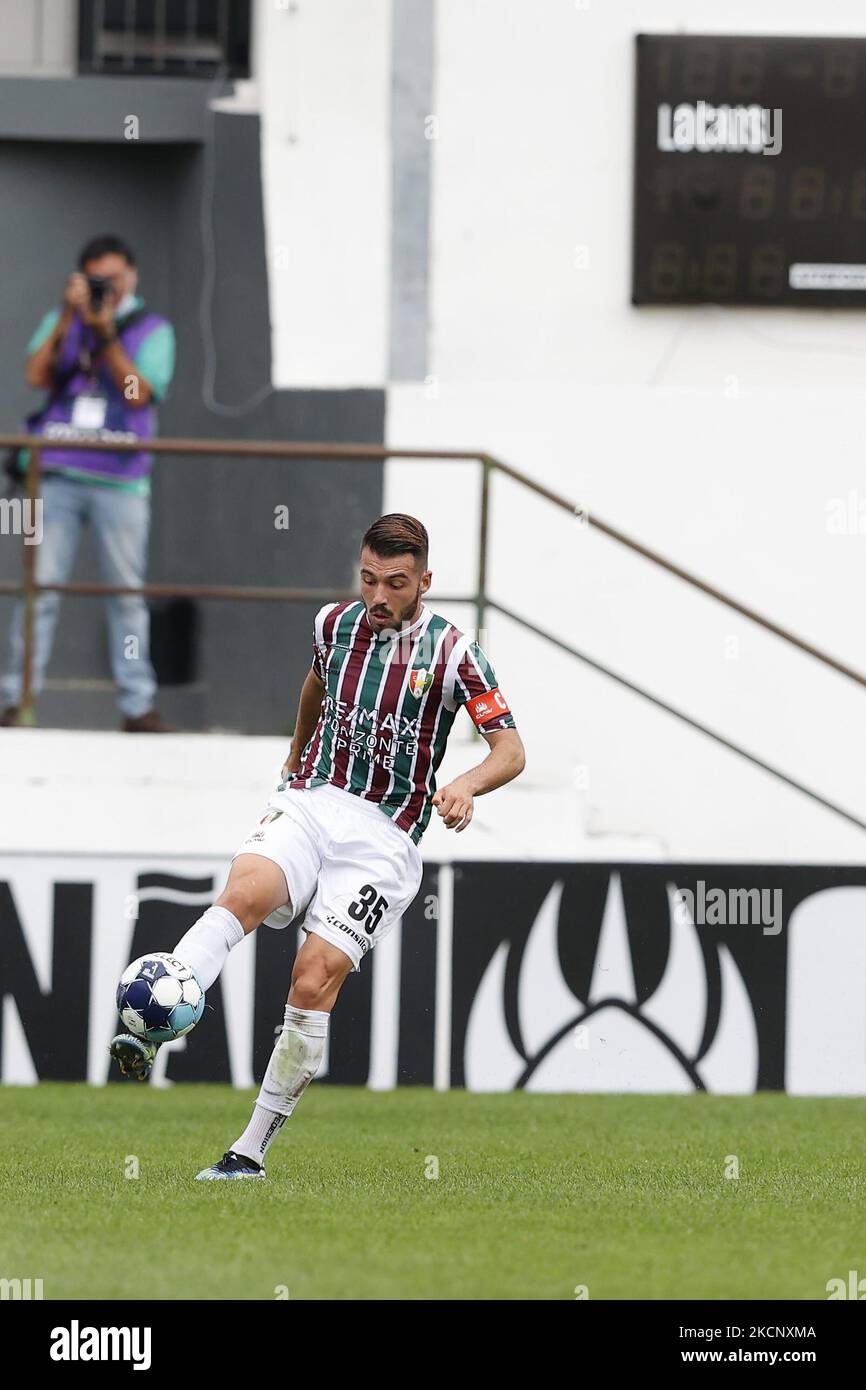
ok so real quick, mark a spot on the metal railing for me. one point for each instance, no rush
(480, 599)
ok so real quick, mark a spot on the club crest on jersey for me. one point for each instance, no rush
(419, 681)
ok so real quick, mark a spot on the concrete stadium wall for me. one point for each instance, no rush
(526, 960)
(188, 196)
(721, 438)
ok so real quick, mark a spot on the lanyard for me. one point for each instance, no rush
(88, 362)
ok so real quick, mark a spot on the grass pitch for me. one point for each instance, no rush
(535, 1195)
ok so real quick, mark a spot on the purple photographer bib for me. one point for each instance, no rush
(90, 406)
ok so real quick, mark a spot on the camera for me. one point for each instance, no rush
(97, 285)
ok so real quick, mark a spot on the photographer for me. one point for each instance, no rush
(105, 361)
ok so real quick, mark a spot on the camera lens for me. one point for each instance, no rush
(97, 285)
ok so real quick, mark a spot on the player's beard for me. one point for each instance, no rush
(403, 615)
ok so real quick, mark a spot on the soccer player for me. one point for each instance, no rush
(340, 835)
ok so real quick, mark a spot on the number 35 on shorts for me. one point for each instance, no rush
(368, 908)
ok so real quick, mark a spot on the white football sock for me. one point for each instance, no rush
(264, 1126)
(207, 943)
(294, 1062)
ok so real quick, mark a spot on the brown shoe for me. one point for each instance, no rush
(9, 718)
(150, 723)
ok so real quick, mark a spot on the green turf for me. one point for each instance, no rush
(536, 1194)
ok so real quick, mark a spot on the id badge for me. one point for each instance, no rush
(88, 412)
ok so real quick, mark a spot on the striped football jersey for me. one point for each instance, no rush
(389, 704)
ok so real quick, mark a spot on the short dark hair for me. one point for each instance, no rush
(106, 245)
(397, 534)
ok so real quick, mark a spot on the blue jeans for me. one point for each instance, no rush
(120, 522)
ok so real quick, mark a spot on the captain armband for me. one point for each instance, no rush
(490, 705)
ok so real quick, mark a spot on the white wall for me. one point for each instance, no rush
(185, 796)
(719, 437)
(40, 38)
(322, 71)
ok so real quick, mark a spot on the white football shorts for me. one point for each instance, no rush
(344, 860)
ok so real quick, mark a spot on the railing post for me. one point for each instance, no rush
(481, 596)
(26, 711)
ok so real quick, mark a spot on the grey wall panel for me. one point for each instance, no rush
(411, 105)
(76, 109)
(213, 520)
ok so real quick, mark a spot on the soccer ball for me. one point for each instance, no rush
(159, 998)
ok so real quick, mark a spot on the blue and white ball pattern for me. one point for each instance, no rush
(159, 998)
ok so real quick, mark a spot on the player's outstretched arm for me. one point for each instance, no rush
(309, 707)
(505, 761)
